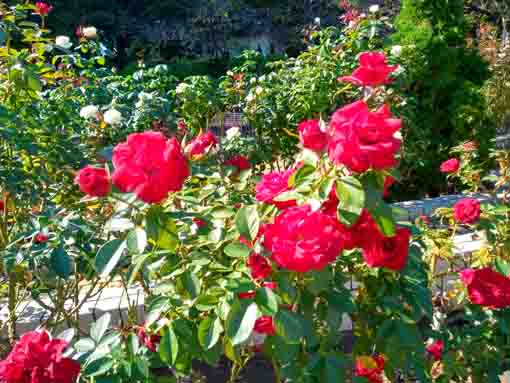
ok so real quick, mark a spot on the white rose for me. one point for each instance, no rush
(233, 132)
(250, 98)
(262, 78)
(230, 73)
(181, 88)
(112, 117)
(374, 8)
(259, 90)
(89, 111)
(63, 41)
(396, 50)
(253, 80)
(90, 32)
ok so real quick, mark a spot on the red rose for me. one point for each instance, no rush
(150, 166)
(259, 266)
(361, 139)
(201, 145)
(373, 70)
(150, 341)
(435, 349)
(265, 325)
(272, 185)
(42, 8)
(467, 211)
(371, 368)
(37, 358)
(41, 238)
(93, 181)
(239, 162)
(197, 221)
(450, 166)
(311, 136)
(302, 240)
(388, 252)
(486, 287)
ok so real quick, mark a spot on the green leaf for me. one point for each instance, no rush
(289, 326)
(248, 222)
(191, 284)
(381, 212)
(503, 267)
(133, 344)
(237, 250)
(267, 301)
(61, 262)
(240, 321)
(351, 195)
(156, 308)
(209, 332)
(84, 345)
(98, 329)
(109, 256)
(136, 241)
(169, 346)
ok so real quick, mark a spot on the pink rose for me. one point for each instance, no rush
(37, 358)
(150, 166)
(302, 240)
(93, 181)
(467, 211)
(450, 166)
(311, 136)
(373, 70)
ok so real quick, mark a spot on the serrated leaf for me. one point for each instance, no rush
(136, 241)
(61, 262)
(248, 222)
(351, 196)
(289, 326)
(169, 346)
(237, 250)
(209, 332)
(84, 345)
(98, 329)
(240, 322)
(109, 256)
(267, 301)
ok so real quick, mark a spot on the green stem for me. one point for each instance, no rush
(11, 326)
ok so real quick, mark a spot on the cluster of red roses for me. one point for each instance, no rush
(303, 239)
(37, 358)
(150, 166)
